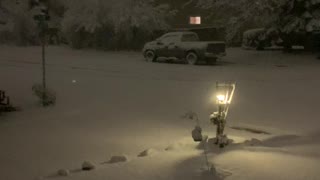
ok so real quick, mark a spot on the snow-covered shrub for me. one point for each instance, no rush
(253, 37)
(47, 97)
(88, 166)
(260, 38)
(239, 16)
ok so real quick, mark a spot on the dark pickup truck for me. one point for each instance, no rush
(186, 46)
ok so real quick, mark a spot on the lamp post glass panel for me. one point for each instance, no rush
(223, 99)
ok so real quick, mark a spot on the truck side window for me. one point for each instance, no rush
(189, 38)
(169, 39)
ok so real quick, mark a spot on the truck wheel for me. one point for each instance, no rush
(191, 58)
(150, 56)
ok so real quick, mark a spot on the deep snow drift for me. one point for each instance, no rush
(115, 104)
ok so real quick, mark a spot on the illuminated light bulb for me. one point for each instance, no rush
(221, 97)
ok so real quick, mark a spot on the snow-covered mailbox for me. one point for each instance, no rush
(223, 100)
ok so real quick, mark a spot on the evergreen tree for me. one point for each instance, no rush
(299, 16)
(240, 15)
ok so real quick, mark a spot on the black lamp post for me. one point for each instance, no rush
(224, 97)
(42, 17)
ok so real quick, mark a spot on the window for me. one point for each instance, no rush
(195, 20)
(169, 39)
(189, 37)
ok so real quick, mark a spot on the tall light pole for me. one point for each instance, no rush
(42, 17)
(44, 68)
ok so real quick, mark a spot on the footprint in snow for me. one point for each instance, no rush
(147, 152)
(116, 159)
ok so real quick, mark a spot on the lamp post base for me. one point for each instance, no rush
(222, 141)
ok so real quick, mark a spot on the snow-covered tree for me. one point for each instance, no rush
(299, 16)
(297, 20)
(20, 24)
(240, 15)
(113, 23)
(289, 16)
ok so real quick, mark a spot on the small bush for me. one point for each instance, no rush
(46, 96)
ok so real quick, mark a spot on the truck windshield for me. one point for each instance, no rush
(189, 37)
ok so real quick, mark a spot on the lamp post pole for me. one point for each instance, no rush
(44, 66)
(42, 17)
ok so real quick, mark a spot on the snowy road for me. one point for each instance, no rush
(112, 103)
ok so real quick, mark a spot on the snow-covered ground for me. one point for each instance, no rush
(116, 104)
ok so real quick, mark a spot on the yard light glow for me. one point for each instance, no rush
(221, 98)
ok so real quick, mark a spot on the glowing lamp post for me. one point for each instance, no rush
(223, 98)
